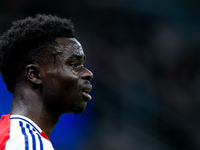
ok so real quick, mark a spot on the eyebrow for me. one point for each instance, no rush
(75, 56)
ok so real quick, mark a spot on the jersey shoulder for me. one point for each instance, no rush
(4, 130)
(22, 133)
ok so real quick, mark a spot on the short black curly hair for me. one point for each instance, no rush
(29, 40)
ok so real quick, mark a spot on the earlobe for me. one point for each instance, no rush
(33, 73)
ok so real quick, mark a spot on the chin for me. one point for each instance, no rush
(79, 108)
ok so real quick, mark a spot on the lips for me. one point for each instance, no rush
(85, 91)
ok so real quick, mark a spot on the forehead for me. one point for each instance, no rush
(70, 46)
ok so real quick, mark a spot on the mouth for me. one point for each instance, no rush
(85, 92)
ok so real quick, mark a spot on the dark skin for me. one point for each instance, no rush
(54, 87)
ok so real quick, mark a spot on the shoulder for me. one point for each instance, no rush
(26, 130)
(15, 143)
(4, 122)
(4, 130)
(25, 134)
(27, 139)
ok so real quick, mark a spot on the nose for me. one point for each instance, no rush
(87, 74)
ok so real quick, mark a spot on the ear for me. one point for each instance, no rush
(33, 73)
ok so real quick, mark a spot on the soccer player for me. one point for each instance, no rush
(42, 64)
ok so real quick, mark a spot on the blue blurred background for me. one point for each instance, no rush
(146, 63)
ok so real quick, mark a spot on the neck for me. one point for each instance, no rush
(32, 107)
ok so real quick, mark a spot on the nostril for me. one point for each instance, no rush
(88, 78)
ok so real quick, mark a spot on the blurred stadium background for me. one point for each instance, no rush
(145, 58)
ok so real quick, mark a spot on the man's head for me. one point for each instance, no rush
(44, 51)
(29, 40)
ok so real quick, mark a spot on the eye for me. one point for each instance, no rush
(74, 64)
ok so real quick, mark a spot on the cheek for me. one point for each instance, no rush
(70, 81)
(70, 77)
(66, 77)
(61, 81)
